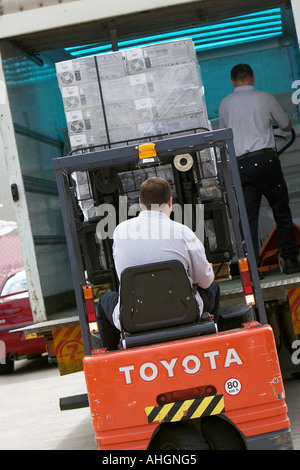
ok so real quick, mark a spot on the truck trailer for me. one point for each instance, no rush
(35, 133)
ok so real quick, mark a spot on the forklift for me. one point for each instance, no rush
(176, 382)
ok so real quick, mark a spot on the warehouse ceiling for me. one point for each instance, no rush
(141, 24)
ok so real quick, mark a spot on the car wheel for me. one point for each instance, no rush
(8, 367)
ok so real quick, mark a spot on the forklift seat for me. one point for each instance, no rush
(157, 304)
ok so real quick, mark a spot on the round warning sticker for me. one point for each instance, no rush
(233, 386)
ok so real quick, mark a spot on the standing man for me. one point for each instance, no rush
(152, 237)
(250, 114)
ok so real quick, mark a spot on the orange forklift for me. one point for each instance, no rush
(176, 382)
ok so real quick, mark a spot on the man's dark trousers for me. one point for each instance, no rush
(261, 174)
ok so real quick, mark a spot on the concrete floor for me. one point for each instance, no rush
(32, 420)
(29, 408)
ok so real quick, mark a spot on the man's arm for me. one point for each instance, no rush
(280, 116)
(200, 270)
(288, 128)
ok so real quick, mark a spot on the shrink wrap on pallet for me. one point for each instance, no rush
(131, 96)
(134, 94)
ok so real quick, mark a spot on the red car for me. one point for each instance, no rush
(15, 312)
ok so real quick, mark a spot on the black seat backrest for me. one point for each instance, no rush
(155, 296)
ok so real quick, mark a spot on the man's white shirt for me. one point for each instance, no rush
(153, 237)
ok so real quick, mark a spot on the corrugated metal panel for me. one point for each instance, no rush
(59, 26)
(244, 28)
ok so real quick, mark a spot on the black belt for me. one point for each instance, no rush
(256, 152)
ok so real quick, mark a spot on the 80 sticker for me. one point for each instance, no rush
(233, 386)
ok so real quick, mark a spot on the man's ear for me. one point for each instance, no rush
(141, 204)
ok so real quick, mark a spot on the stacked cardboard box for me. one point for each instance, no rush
(131, 95)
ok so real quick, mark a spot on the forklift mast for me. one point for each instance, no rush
(112, 177)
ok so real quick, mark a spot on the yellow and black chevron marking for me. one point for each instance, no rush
(186, 409)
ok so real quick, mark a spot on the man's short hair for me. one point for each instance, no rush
(155, 191)
(241, 71)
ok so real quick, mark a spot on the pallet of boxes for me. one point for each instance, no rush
(133, 96)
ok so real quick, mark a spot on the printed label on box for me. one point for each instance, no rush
(143, 103)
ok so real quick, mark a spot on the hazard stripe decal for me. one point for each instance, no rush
(294, 301)
(186, 409)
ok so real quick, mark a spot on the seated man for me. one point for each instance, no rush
(152, 237)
